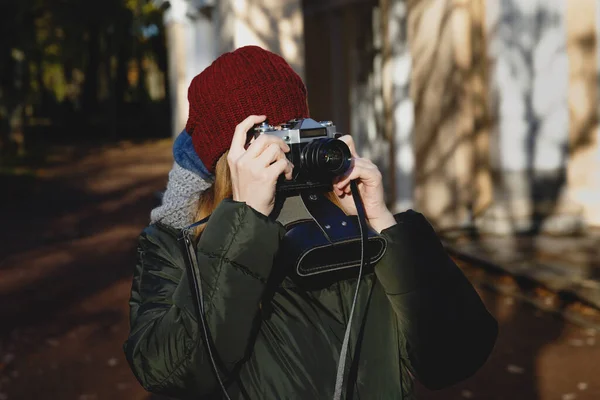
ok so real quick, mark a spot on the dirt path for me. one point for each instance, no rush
(68, 247)
(66, 258)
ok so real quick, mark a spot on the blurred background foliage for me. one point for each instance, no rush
(74, 70)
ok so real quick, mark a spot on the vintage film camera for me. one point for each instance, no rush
(316, 153)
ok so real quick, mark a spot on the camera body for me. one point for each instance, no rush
(315, 152)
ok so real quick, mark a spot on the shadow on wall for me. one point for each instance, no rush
(533, 102)
(448, 88)
(277, 28)
(530, 105)
(530, 108)
(466, 140)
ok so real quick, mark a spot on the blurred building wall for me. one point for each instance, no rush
(452, 176)
(397, 63)
(583, 171)
(412, 94)
(191, 48)
(358, 69)
(478, 112)
(528, 99)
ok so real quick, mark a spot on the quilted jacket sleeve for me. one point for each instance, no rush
(446, 331)
(165, 347)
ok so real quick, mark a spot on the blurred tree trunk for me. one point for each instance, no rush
(16, 104)
(4, 97)
(17, 36)
(141, 90)
(109, 73)
(43, 95)
(123, 51)
(90, 86)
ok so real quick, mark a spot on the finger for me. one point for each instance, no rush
(350, 143)
(362, 169)
(241, 130)
(272, 153)
(264, 141)
(349, 176)
(249, 142)
(341, 192)
(346, 174)
(289, 171)
(337, 191)
(282, 166)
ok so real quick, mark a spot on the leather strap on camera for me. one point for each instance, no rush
(327, 247)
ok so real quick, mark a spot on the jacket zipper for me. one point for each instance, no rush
(193, 264)
(197, 284)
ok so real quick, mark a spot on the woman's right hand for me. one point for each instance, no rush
(254, 171)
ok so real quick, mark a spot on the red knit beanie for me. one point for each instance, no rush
(247, 81)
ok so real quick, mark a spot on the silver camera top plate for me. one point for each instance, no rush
(298, 131)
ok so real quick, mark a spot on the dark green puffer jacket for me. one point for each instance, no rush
(416, 316)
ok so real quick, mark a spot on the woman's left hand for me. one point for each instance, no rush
(370, 187)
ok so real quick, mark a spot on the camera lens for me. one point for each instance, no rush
(333, 157)
(327, 155)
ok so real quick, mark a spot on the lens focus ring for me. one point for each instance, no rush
(326, 156)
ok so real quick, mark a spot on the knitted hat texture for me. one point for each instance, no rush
(247, 81)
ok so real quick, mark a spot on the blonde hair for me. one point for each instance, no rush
(219, 191)
(222, 189)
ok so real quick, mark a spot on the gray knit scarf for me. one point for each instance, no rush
(180, 200)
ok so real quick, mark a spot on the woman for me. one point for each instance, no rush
(416, 314)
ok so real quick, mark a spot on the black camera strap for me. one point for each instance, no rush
(362, 222)
(337, 227)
